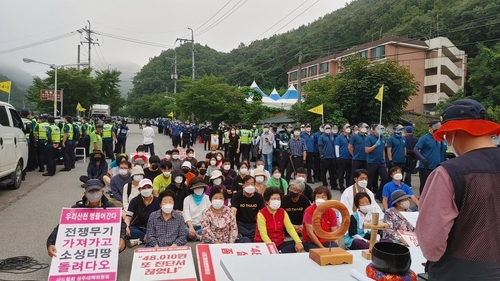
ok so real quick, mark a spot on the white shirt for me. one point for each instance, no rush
(133, 193)
(192, 212)
(348, 200)
(148, 133)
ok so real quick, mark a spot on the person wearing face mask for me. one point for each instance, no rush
(317, 156)
(266, 147)
(93, 198)
(357, 149)
(201, 171)
(219, 157)
(411, 159)
(175, 132)
(166, 227)
(358, 238)
(394, 218)
(219, 223)
(328, 221)
(277, 181)
(260, 164)
(283, 150)
(396, 184)
(430, 152)
(238, 180)
(298, 154)
(308, 137)
(272, 220)
(119, 181)
(212, 166)
(168, 156)
(186, 134)
(246, 142)
(216, 181)
(295, 203)
(344, 157)
(190, 157)
(375, 160)
(131, 190)
(228, 173)
(179, 189)
(360, 185)
(458, 221)
(301, 175)
(138, 212)
(163, 180)
(233, 147)
(245, 205)
(140, 154)
(194, 205)
(153, 170)
(260, 180)
(396, 148)
(175, 160)
(186, 169)
(326, 145)
(97, 168)
(148, 135)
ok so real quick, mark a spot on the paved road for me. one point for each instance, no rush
(28, 215)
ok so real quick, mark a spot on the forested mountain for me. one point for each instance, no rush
(465, 22)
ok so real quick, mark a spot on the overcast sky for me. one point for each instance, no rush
(158, 21)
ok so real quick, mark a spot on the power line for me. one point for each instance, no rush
(297, 16)
(223, 17)
(132, 40)
(45, 32)
(214, 15)
(37, 43)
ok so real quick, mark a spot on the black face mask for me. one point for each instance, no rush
(154, 166)
(203, 171)
(97, 159)
(185, 170)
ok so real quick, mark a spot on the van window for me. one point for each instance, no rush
(4, 117)
(16, 119)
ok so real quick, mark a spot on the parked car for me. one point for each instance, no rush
(13, 147)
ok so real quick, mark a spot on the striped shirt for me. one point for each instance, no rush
(297, 146)
(163, 232)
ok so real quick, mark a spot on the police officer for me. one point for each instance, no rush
(396, 148)
(344, 157)
(41, 141)
(317, 156)
(175, 131)
(107, 139)
(194, 133)
(326, 145)
(53, 139)
(121, 136)
(375, 159)
(186, 137)
(245, 143)
(308, 136)
(285, 137)
(357, 149)
(28, 131)
(85, 131)
(68, 144)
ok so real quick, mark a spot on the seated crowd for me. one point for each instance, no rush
(169, 201)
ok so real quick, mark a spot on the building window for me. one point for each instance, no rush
(293, 76)
(323, 68)
(364, 54)
(378, 53)
(303, 73)
(313, 70)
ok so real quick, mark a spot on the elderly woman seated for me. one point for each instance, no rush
(295, 203)
(394, 218)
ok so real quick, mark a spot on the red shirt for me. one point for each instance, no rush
(274, 226)
(328, 220)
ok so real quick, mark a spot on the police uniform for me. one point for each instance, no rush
(107, 140)
(69, 146)
(53, 134)
(41, 142)
(245, 143)
(28, 131)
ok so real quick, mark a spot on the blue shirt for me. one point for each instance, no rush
(358, 143)
(377, 155)
(390, 187)
(316, 135)
(176, 130)
(328, 144)
(309, 138)
(432, 150)
(398, 145)
(343, 142)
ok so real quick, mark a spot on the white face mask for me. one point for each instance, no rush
(250, 189)
(140, 154)
(302, 129)
(199, 191)
(319, 201)
(217, 181)
(450, 146)
(260, 166)
(167, 174)
(219, 158)
(213, 162)
(398, 177)
(123, 172)
(94, 197)
(335, 131)
(191, 155)
(138, 178)
(308, 129)
(277, 176)
(167, 208)
(146, 192)
(259, 179)
(405, 205)
(227, 167)
(243, 171)
(348, 131)
(296, 134)
(266, 130)
(328, 131)
(167, 156)
(217, 204)
(274, 204)
(365, 209)
(363, 130)
(363, 183)
(321, 129)
(178, 179)
(175, 156)
(301, 179)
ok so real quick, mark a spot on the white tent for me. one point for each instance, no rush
(256, 87)
(274, 95)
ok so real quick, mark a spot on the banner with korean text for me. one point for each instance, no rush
(162, 264)
(87, 245)
(209, 256)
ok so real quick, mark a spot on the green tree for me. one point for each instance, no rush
(484, 75)
(17, 94)
(108, 88)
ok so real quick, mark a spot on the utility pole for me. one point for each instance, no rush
(174, 76)
(78, 58)
(88, 39)
(299, 81)
(192, 51)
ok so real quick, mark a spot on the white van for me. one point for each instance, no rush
(13, 147)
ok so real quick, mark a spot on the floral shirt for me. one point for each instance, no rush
(396, 221)
(221, 229)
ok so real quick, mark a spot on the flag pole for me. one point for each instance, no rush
(322, 118)
(381, 105)
(8, 99)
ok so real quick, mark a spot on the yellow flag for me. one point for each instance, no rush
(5, 87)
(171, 114)
(318, 109)
(79, 107)
(380, 95)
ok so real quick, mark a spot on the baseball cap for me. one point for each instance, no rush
(93, 184)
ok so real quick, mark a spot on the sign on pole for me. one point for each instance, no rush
(162, 264)
(209, 256)
(49, 95)
(214, 141)
(87, 245)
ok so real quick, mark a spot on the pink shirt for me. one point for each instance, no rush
(438, 212)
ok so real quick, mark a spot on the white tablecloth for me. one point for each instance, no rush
(300, 267)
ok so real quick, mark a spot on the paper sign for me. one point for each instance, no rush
(209, 256)
(87, 245)
(214, 141)
(161, 264)
(182, 153)
(410, 237)
(411, 217)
